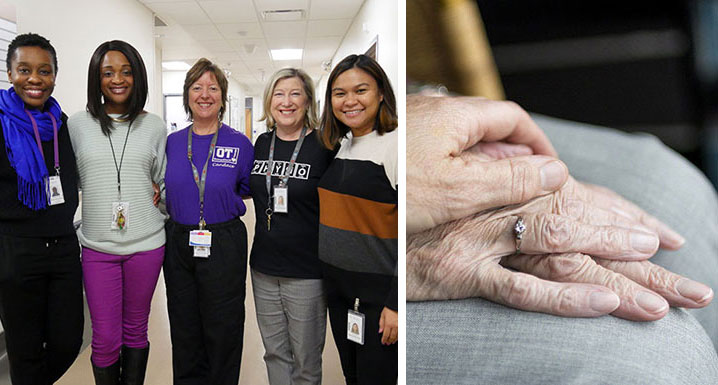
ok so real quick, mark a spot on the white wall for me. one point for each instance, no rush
(76, 27)
(258, 128)
(377, 19)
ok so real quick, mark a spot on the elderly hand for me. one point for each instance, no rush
(452, 144)
(462, 258)
(389, 326)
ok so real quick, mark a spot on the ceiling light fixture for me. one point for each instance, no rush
(283, 15)
(287, 54)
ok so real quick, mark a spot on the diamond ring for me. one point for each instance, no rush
(519, 229)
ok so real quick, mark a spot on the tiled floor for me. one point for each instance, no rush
(159, 372)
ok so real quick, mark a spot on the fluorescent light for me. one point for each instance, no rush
(286, 54)
(175, 65)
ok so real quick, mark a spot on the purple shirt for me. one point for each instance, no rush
(226, 182)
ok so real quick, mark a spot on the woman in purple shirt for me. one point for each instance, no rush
(208, 168)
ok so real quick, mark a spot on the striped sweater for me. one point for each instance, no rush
(358, 222)
(143, 163)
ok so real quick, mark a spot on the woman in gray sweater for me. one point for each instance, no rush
(120, 154)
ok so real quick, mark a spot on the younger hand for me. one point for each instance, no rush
(389, 325)
(156, 198)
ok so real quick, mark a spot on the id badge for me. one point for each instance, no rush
(281, 199)
(120, 215)
(201, 240)
(355, 327)
(201, 252)
(54, 191)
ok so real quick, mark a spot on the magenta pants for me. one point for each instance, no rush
(119, 291)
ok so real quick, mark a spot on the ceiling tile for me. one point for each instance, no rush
(203, 32)
(241, 31)
(252, 49)
(264, 5)
(287, 29)
(224, 11)
(319, 49)
(218, 46)
(160, 1)
(321, 28)
(285, 43)
(329, 9)
(181, 12)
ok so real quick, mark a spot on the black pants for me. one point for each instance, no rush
(41, 306)
(368, 364)
(205, 301)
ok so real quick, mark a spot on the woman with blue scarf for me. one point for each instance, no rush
(40, 275)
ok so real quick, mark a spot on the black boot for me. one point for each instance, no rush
(134, 365)
(107, 376)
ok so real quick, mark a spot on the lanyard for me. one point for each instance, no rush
(54, 139)
(122, 157)
(285, 178)
(203, 180)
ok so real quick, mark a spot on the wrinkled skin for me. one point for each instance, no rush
(584, 252)
(556, 275)
(449, 175)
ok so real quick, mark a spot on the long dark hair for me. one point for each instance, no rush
(332, 129)
(138, 95)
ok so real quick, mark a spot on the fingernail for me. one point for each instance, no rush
(693, 290)
(604, 302)
(644, 242)
(674, 239)
(651, 302)
(553, 175)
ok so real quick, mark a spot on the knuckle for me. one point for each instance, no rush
(614, 281)
(522, 185)
(518, 291)
(572, 208)
(565, 301)
(614, 239)
(555, 233)
(657, 277)
(567, 267)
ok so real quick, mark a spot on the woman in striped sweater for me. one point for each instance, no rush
(358, 221)
(120, 154)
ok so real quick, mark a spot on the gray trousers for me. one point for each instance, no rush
(292, 318)
(475, 341)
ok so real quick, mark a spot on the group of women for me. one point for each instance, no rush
(325, 197)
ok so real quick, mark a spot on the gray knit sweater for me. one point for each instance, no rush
(144, 162)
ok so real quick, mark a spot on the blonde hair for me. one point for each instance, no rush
(310, 116)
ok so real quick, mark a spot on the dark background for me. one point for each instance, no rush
(639, 65)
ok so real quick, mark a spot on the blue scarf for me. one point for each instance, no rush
(21, 146)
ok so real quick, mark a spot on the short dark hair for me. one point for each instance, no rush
(198, 69)
(332, 129)
(30, 40)
(138, 95)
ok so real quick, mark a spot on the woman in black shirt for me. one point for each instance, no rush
(40, 275)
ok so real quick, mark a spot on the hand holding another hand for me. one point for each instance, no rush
(460, 150)
(556, 275)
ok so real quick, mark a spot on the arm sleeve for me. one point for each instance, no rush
(247, 169)
(392, 300)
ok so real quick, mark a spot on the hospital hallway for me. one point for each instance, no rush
(159, 366)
